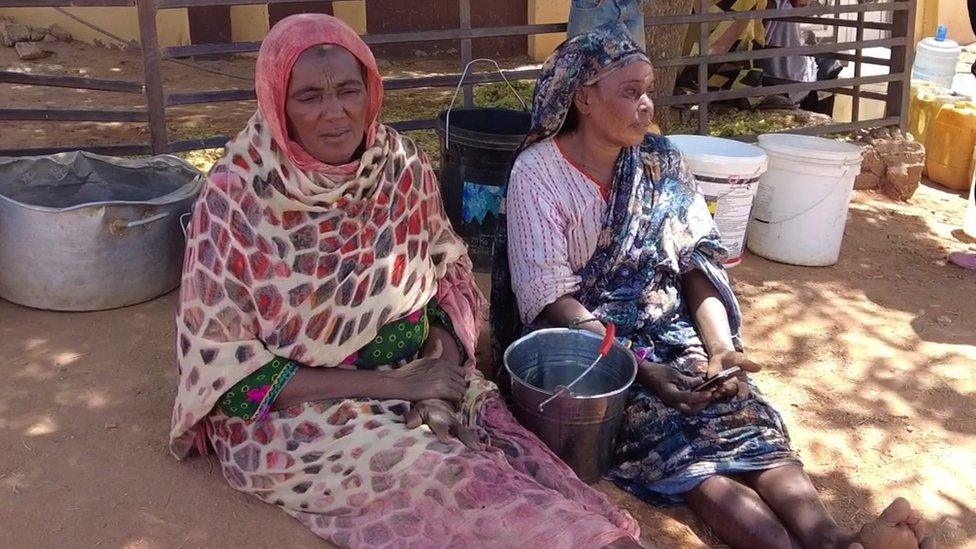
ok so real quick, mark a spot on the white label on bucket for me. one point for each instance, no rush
(729, 202)
(762, 205)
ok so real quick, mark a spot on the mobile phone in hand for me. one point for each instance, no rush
(718, 379)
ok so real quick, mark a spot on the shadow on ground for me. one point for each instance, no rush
(870, 362)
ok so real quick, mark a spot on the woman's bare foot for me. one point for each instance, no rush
(898, 527)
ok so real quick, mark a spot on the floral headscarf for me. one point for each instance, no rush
(580, 61)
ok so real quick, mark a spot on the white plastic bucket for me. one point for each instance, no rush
(728, 174)
(935, 59)
(800, 209)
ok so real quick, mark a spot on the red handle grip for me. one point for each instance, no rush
(608, 339)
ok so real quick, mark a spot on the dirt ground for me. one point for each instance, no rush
(870, 362)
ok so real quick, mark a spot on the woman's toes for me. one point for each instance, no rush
(897, 512)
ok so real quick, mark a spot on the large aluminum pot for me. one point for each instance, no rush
(582, 428)
(85, 232)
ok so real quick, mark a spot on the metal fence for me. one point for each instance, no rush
(900, 13)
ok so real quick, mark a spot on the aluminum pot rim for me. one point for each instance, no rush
(187, 191)
(616, 344)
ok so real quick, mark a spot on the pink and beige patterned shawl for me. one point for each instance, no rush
(290, 257)
(287, 256)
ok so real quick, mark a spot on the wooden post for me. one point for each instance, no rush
(703, 50)
(666, 42)
(858, 58)
(464, 10)
(902, 57)
(152, 68)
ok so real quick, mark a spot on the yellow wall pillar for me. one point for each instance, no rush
(926, 12)
(929, 14)
(173, 25)
(352, 12)
(248, 23)
(542, 12)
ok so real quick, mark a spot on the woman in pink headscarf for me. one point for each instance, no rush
(327, 326)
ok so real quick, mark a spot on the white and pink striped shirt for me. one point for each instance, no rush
(555, 213)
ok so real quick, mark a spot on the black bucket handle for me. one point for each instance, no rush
(457, 90)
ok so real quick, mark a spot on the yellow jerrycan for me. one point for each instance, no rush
(926, 99)
(950, 142)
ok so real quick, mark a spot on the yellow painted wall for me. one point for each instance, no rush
(542, 12)
(250, 23)
(870, 109)
(173, 25)
(951, 13)
(926, 12)
(352, 12)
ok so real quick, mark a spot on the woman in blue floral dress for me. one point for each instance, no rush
(605, 225)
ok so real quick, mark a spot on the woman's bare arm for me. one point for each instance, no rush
(434, 375)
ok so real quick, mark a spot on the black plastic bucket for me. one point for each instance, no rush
(477, 152)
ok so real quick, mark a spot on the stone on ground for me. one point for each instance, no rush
(872, 163)
(866, 181)
(892, 163)
(29, 51)
(59, 33)
(902, 181)
(11, 33)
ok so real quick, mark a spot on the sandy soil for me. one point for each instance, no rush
(870, 361)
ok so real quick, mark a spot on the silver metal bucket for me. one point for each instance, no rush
(83, 232)
(581, 429)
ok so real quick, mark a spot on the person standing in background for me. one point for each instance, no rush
(728, 36)
(786, 34)
(586, 15)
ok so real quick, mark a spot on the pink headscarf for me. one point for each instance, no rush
(279, 52)
(370, 241)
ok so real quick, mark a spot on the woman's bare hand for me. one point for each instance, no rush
(737, 386)
(674, 388)
(443, 422)
(430, 377)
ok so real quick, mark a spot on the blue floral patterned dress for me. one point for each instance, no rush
(656, 228)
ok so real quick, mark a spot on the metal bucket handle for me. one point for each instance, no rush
(119, 226)
(605, 346)
(183, 223)
(457, 90)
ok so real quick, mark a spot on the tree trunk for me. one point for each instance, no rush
(666, 42)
